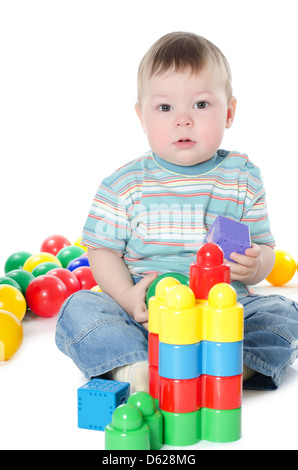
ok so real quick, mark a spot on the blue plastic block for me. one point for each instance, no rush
(229, 235)
(222, 359)
(97, 401)
(183, 361)
(187, 361)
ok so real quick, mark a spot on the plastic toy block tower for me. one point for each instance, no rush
(200, 354)
(229, 235)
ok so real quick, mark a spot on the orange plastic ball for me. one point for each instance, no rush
(283, 270)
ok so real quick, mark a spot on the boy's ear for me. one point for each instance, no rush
(231, 112)
(139, 113)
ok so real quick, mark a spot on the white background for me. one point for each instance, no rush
(67, 93)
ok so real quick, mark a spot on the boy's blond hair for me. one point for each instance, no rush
(177, 51)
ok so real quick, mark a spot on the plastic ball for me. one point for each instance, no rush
(54, 243)
(96, 289)
(69, 253)
(68, 278)
(22, 277)
(283, 270)
(78, 262)
(10, 282)
(11, 335)
(45, 295)
(43, 268)
(85, 277)
(16, 260)
(12, 300)
(78, 243)
(39, 258)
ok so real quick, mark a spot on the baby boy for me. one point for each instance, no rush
(151, 216)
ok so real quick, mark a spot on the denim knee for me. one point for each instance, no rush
(270, 338)
(83, 311)
(97, 334)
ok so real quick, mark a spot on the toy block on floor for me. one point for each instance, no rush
(229, 235)
(127, 431)
(151, 416)
(136, 425)
(97, 400)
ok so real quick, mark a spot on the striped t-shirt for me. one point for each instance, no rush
(156, 214)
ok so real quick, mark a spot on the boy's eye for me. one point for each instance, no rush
(165, 108)
(201, 105)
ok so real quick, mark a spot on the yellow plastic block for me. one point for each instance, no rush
(155, 302)
(222, 315)
(180, 320)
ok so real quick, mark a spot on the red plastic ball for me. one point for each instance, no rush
(45, 295)
(67, 277)
(85, 277)
(54, 243)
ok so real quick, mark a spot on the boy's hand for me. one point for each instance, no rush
(133, 300)
(246, 266)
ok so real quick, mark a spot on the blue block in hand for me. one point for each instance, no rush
(229, 235)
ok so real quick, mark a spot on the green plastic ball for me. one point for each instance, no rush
(69, 253)
(22, 277)
(16, 260)
(7, 280)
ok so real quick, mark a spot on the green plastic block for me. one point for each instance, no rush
(220, 425)
(151, 416)
(127, 430)
(181, 429)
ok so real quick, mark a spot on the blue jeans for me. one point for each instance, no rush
(98, 335)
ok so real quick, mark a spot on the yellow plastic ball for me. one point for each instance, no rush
(11, 335)
(12, 300)
(181, 297)
(163, 287)
(96, 289)
(39, 258)
(78, 243)
(283, 270)
(222, 296)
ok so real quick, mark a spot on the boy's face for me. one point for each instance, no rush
(185, 114)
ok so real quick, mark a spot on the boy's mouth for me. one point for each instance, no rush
(184, 143)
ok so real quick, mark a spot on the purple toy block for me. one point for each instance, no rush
(229, 235)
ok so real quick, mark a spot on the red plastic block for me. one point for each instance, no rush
(153, 348)
(153, 377)
(222, 393)
(209, 270)
(180, 396)
(206, 391)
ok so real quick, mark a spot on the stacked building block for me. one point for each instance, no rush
(229, 235)
(200, 337)
(155, 302)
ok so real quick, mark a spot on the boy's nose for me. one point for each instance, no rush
(183, 121)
